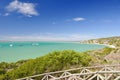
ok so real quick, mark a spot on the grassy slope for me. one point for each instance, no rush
(111, 41)
(114, 55)
(60, 60)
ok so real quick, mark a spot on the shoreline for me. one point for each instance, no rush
(110, 46)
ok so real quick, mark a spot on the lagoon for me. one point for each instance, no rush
(14, 51)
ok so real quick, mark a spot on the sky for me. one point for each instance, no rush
(58, 20)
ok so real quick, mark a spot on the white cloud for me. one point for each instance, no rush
(27, 9)
(6, 14)
(49, 37)
(78, 19)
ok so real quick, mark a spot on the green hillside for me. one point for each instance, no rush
(58, 60)
(111, 41)
(62, 60)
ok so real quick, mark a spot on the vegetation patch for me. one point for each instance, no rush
(54, 61)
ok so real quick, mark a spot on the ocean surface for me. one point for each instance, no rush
(14, 51)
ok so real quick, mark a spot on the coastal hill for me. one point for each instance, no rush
(62, 60)
(114, 54)
(115, 41)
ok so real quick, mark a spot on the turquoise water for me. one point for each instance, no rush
(14, 51)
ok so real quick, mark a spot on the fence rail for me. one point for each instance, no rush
(84, 73)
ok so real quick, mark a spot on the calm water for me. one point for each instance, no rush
(14, 51)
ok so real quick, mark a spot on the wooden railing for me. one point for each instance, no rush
(83, 73)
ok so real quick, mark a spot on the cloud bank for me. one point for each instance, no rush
(27, 9)
(78, 19)
(49, 37)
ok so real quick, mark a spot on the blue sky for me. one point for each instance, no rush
(59, 20)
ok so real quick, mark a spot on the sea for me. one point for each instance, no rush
(15, 51)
